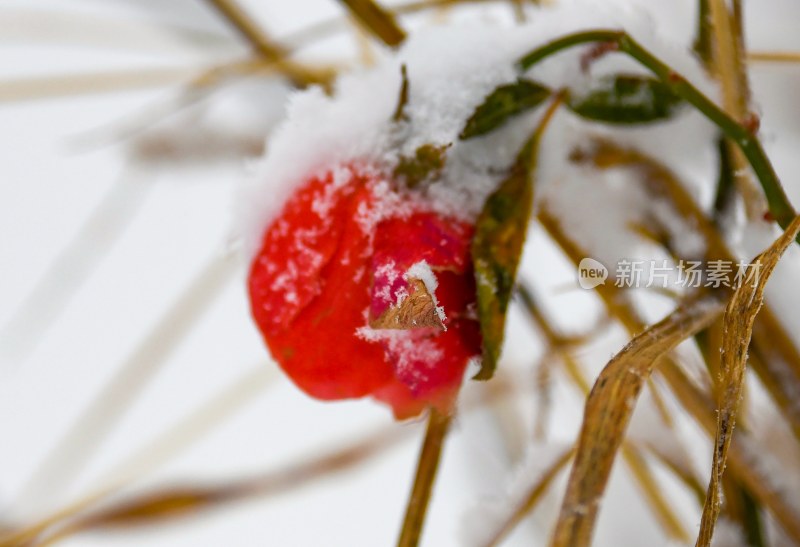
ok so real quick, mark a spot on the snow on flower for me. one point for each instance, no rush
(402, 333)
(362, 284)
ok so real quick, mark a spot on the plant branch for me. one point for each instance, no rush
(427, 466)
(779, 205)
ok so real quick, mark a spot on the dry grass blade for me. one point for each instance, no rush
(379, 21)
(728, 64)
(67, 521)
(72, 266)
(183, 434)
(773, 56)
(743, 464)
(162, 449)
(608, 411)
(535, 493)
(427, 466)
(195, 78)
(775, 358)
(49, 87)
(74, 450)
(167, 504)
(680, 467)
(738, 321)
(249, 29)
(637, 464)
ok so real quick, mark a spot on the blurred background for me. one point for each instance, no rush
(128, 360)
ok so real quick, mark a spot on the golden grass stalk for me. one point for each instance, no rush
(74, 450)
(738, 321)
(300, 75)
(681, 468)
(82, 514)
(380, 22)
(170, 503)
(608, 411)
(535, 494)
(427, 466)
(50, 87)
(72, 266)
(731, 71)
(160, 450)
(694, 401)
(773, 56)
(632, 456)
(776, 358)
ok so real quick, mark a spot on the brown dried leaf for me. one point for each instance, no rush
(608, 411)
(738, 321)
(417, 311)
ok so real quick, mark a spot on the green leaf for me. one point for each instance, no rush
(426, 164)
(626, 99)
(497, 244)
(496, 249)
(503, 103)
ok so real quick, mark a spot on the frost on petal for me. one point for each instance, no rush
(428, 365)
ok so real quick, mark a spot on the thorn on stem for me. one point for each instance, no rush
(674, 77)
(752, 122)
(595, 52)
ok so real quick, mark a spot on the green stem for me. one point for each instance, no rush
(779, 206)
(725, 181)
(427, 466)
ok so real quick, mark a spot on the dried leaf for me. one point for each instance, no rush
(608, 411)
(425, 165)
(503, 103)
(418, 310)
(626, 99)
(738, 321)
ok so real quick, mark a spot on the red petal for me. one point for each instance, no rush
(312, 334)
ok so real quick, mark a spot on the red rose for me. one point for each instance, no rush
(361, 290)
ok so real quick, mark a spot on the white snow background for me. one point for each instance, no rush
(67, 186)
